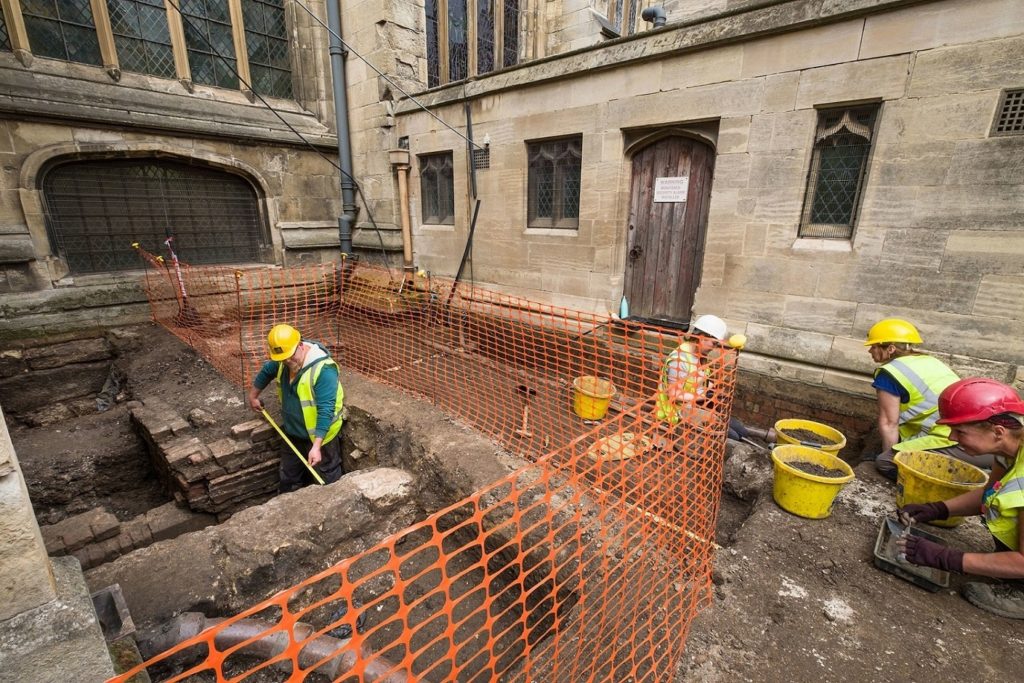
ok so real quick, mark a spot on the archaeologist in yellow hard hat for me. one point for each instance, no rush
(685, 379)
(311, 402)
(907, 385)
(985, 416)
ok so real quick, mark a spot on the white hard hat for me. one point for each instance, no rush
(711, 325)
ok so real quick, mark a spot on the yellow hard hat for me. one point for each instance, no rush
(892, 331)
(283, 340)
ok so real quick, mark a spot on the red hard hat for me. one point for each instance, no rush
(975, 399)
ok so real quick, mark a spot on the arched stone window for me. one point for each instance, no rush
(96, 209)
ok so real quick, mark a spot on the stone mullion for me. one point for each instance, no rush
(499, 34)
(105, 36)
(16, 31)
(471, 46)
(178, 47)
(241, 52)
(442, 40)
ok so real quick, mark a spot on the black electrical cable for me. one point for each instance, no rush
(359, 189)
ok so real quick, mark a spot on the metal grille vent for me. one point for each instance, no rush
(1010, 119)
(482, 157)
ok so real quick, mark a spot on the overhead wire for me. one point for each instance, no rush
(234, 71)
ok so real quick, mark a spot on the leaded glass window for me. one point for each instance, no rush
(266, 39)
(433, 45)
(510, 28)
(5, 39)
(492, 37)
(96, 209)
(839, 163)
(485, 36)
(62, 29)
(458, 38)
(554, 182)
(437, 188)
(211, 47)
(142, 36)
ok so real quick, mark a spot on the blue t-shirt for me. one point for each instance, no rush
(888, 384)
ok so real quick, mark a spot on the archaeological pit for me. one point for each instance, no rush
(144, 463)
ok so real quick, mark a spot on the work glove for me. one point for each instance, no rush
(925, 512)
(930, 554)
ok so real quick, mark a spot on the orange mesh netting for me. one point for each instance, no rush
(587, 564)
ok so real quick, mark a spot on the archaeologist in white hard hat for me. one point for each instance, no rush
(311, 403)
(684, 377)
(907, 385)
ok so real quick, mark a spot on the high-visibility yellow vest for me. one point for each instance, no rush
(923, 378)
(689, 379)
(1002, 502)
(304, 390)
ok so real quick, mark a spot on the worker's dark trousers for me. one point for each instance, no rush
(294, 474)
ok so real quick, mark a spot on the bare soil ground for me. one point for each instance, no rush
(800, 600)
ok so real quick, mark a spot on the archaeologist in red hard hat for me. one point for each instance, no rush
(908, 385)
(985, 416)
(684, 379)
(311, 402)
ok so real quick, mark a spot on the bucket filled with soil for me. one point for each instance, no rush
(926, 477)
(807, 480)
(810, 434)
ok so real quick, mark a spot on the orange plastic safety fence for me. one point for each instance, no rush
(587, 564)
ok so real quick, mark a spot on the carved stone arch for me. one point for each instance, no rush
(648, 138)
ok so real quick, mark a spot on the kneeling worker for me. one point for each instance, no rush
(311, 402)
(986, 417)
(907, 385)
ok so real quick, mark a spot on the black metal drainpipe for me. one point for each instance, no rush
(348, 186)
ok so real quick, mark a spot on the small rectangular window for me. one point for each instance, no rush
(835, 182)
(62, 29)
(437, 188)
(266, 40)
(554, 183)
(210, 45)
(1010, 115)
(142, 36)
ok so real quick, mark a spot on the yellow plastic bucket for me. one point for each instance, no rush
(591, 396)
(926, 477)
(838, 441)
(804, 494)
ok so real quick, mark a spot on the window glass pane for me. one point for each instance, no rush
(554, 169)
(485, 36)
(96, 209)
(142, 37)
(62, 29)
(437, 188)
(510, 33)
(266, 40)
(5, 39)
(211, 49)
(457, 40)
(433, 52)
(838, 165)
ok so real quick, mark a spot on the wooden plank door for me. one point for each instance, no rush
(668, 215)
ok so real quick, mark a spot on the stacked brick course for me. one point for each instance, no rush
(209, 477)
(97, 537)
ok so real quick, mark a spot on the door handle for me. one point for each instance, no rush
(635, 252)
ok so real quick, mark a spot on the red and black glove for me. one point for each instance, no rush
(930, 554)
(925, 512)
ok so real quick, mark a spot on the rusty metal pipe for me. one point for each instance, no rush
(190, 624)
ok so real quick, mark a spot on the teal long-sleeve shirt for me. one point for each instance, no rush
(325, 389)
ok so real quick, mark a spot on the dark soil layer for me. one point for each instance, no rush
(808, 436)
(817, 470)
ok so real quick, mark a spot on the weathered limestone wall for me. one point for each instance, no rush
(939, 239)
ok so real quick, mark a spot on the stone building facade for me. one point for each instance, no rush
(800, 167)
(927, 223)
